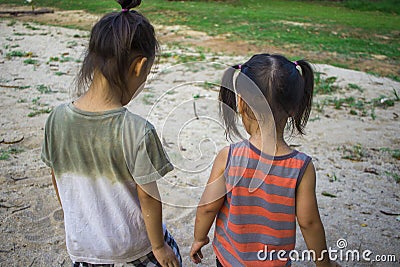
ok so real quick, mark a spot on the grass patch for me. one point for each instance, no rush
(66, 59)
(148, 99)
(394, 77)
(61, 59)
(71, 44)
(11, 23)
(352, 86)
(386, 101)
(210, 85)
(395, 153)
(6, 153)
(43, 89)
(22, 87)
(354, 153)
(31, 61)
(30, 27)
(18, 53)
(60, 73)
(36, 111)
(54, 59)
(180, 58)
(351, 29)
(395, 176)
(324, 86)
(387, 6)
(358, 106)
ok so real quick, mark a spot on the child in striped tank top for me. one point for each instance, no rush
(258, 187)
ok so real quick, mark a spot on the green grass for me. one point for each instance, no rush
(395, 176)
(17, 54)
(43, 89)
(326, 28)
(148, 99)
(31, 61)
(60, 73)
(388, 6)
(352, 28)
(356, 106)
(36, 112)
(395, 153)
(30, 27)
(324, 86)
(355, 153)
(11, 23)
(6, 153)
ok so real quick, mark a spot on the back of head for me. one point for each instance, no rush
(286, 86)
(115, 41)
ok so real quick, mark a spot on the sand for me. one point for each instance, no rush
(353, 154)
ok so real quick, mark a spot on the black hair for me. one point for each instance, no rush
(115, 41)
(286, 86)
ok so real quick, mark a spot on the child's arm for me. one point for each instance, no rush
(309, 219)
(210, 203)
(152, 214)
(53, 180)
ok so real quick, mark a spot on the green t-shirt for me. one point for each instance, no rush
(98, 158)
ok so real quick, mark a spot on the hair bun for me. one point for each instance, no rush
(129, 4)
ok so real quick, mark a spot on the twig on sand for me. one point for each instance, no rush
(32, 262)
(326, 194)
(19, 179)
(10, 86)
(6, 207)
(21, 209)
(11, 142)
(389, 213)
(194, 109)
(24, 12)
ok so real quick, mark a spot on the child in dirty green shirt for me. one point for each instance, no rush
(104, 159)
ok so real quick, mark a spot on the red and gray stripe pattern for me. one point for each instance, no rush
(251, 219)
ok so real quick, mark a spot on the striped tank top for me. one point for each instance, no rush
(259, 213)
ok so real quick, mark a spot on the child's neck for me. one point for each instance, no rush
(269, 141)
(99, 97)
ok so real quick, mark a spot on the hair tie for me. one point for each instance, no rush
(298, 67)
(125, 10)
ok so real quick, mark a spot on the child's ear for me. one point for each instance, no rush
(138, 66)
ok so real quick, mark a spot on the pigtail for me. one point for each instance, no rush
(300, 118)
(227, 103)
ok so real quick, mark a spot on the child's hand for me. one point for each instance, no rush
(195, 251)
(166, 256)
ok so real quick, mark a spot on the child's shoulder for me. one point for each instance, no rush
(136, 127)
(301, 155)
(137, 121)
(60, 107)
(56, 111)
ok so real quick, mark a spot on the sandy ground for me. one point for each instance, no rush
(180, 100)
